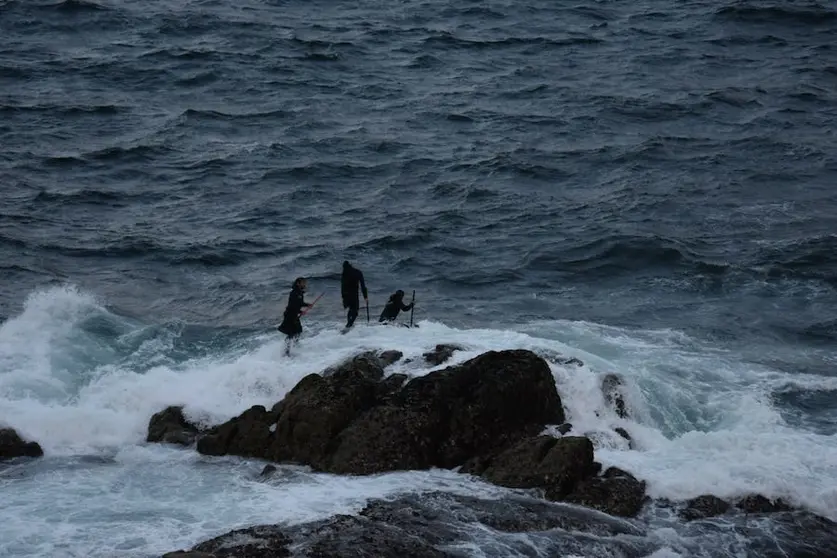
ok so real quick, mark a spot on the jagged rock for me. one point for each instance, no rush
(622, 432)
(557, 358)
(616, 492)
(449, 416)
(268, 470)
(390, 386)
(544, 461)
(350, 422)
(612, 386)
(756, 503)
(434, 516)
(390, 357)
(169, 426)
(12, 445)
(703, 507)
(358, 537)
(247, 435)
(437, 524)
(188, 554)
(262, 541)
(367, 365)
(316, 411)
(565, 428)
(440, 354)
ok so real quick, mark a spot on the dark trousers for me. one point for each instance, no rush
(354, 308)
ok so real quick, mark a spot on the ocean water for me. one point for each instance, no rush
(648, 186)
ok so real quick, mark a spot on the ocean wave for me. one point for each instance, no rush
(812, 14)
(446, 40)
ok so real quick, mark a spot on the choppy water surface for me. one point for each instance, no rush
(646, 185)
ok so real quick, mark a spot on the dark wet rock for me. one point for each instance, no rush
(12, 445)
(624, 433)
(247, 435)
(613, 388)
(756, 503)
(390, 386)
(557, 358)
(188, 554)
(440, 524)
(268, 470)
(703, 507)
(388, 358)
(351, 421)
(315, 411)
(439, 512)
(796, 534)
(262, 541)
(450, 416)
(368, 365)
(476, 465)
(440, 354)
(169, 426)
(358, 537)
(565, 428)
(543, 461)
(616, 492)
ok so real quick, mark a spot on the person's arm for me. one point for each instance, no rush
(406, 307)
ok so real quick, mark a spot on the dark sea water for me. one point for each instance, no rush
(651, 184)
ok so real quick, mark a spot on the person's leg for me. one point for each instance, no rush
(352, 316)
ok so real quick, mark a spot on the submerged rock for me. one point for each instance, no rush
(612, 388)
(441, 354)
(12, 445)
(388, 358)
(756, 503)
(703, 507)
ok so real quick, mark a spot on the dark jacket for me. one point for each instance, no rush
(296, 302)
(349, 282)
(395, 304)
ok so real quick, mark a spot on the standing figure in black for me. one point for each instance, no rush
(291, 325)
(351, 279)
(395, 304)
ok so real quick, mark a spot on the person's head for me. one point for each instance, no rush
(346, 264)
(301, 283)
(399, 293)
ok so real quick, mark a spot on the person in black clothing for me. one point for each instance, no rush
(291, 325)
(395, 304)
(349, 282)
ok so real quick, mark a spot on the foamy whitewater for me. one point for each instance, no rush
(84, 382)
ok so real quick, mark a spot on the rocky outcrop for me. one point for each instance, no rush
(169, 426)
(447, 417)
(12, 445)
(756, 503)
(440, 354)
(543, 462)
(431, 525)
(565, 469)
(351, 421)
(703, 507)
(615, 492)
(707, 506)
